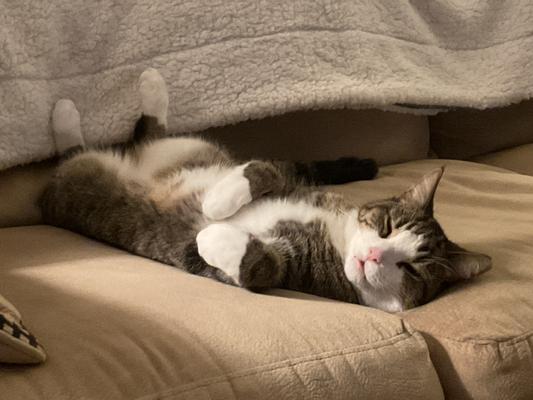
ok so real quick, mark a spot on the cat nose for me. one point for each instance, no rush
(374, 254)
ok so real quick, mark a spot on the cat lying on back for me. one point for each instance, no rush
(186, 202)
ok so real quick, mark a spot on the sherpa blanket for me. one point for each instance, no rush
(231, 60)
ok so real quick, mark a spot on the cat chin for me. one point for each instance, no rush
(372, 291)
(381, 300)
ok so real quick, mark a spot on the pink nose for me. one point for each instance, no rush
(374, 254)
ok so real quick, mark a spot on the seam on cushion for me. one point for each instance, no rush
(290, 363)
(6, 78)
(488, 341)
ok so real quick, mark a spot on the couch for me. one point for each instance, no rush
(118, 326)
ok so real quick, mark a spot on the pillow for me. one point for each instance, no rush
(17, 344)
(467, 133)
(387, 137)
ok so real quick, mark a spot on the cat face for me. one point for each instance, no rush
(398, 256)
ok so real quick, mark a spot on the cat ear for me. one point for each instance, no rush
(467, 264)
(421, 195)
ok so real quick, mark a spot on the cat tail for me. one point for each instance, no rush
(333, 172)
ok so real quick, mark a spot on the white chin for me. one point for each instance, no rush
(381, 300)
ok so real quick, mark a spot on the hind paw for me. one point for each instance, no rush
(66, 126)
(154, 95)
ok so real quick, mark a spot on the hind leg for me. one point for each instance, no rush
(155, 153)
(66, 127)
(154, 103)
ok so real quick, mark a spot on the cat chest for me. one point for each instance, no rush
(298, 219)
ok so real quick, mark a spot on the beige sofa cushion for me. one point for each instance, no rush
(117, 326)
(19, 189)
(480, 334)
(140, 327)
(387, 137)
(464, 134)
(518, 159)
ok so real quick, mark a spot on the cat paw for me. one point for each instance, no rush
(227, 196)
(154, 95)
(223, 246)
(66, 126)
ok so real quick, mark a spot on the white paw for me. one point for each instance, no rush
(227, 196)
(154, 95)
(223, 246)
(66, 126)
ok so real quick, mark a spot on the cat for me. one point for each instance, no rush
(185, 202)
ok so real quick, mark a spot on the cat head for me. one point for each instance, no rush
(398, 256)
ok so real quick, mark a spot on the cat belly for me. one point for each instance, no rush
(168, 192)
(163, 154)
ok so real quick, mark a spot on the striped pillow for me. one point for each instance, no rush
(17, 344)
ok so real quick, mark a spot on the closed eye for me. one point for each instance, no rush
(409, 269)
(423, 250)
(386, 228)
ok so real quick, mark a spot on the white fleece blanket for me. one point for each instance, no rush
(231, 60)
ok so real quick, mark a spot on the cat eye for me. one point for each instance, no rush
(423, 249)
(386, 227)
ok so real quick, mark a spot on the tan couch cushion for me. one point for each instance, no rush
(19, 189)
(387, 137)
(138, 321)
(480, 334)
(117, 326)
(467, 133)
(518, 159)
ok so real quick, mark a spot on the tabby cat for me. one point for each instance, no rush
(185, 202)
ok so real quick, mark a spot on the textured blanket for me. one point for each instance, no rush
(231, 60)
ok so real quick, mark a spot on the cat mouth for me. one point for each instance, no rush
(360, 267)
(362, 270)
(358, 271)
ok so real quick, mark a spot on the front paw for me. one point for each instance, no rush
(227, 196)
(223, 246)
